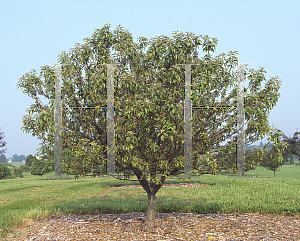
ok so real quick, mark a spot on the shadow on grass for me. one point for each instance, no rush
(116, 205)
(124, 201)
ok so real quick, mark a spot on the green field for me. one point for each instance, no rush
(32, 197)
(17, 163)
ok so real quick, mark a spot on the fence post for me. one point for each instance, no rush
(187, 123)
(57, 123)
(240, 122)
(110, 122)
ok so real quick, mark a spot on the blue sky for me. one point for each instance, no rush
(34, 33)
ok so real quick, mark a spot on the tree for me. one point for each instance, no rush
(3, 158)
(29, 160)
(40, 167)
(2, 142)
(16, 158)
(274, 159)
(227, 160)
(293, 147)
(272, 155)
(271, 158)
(18, 171)
(11, 171)
(268, 155)
(4, 171)
(22, 158)
(149, 93)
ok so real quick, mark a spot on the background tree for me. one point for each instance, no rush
(40, 167)
(25, 168)
(16, 158)
(228, 160)
(9, 171)
(3, 158)
(149, 94)
(206, 164)
(271, 158)
(290, 146)
(29, 160)
(2, 142)
(22, 158)
(4, 171)
(293, 147)
(18, 171)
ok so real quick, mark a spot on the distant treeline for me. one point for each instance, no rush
(15, 158)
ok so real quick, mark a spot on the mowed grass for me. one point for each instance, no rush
(32, 197)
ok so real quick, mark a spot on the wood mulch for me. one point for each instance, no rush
(168, 226)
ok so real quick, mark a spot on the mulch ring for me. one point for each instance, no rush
(168, 226)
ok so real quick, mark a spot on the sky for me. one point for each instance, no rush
(34, 33)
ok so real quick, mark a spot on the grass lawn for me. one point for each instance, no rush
(32, 197)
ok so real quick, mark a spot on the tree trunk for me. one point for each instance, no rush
(274, 174)
(150, 218)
